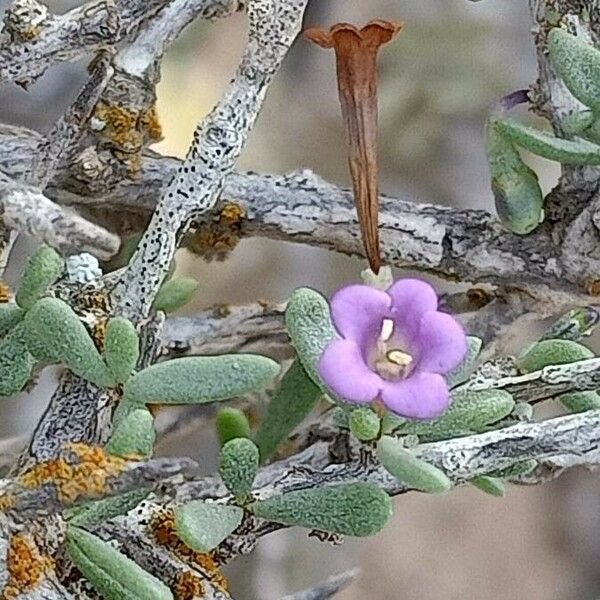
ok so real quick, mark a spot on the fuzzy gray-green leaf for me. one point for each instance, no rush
(470, 412)
(134, 435)
(578, 64)
(568, 152)
(42, 270)
(293, 401)
(110, 572)
(365, 424)
(55, 334)
(16, 362)
(238, 465)
(309, 325)
(232, 423)
(355, 509)
(409, 469)
(10, 315)
(200, 379)
(203, 526)
(174, 294)
(121, 348)
(552, 352)
(490, 485)
(517, 193)
(94, 513)
(461, 373)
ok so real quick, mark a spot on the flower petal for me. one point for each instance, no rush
(421, 396)
(410, 299)
(440, 342)
(343, 368)
(358, 312)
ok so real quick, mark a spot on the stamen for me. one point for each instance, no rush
(397, 357)
(387, 329)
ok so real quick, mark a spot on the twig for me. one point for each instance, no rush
(27, 210)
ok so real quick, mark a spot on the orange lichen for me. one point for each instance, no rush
(7, 501)
(4, 293)
(88, 475)
(163, 531)
(128, 130)
(218, 237)
(187, 587)
(593, 287)
(99, 332)
(26, 566)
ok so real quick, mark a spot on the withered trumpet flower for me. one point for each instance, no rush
(356, 53)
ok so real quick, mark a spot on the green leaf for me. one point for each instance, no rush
(560, 352)
(200, 379)
(552, 352)
(575, 325)
(42, 270)
(121, 348)
(410, 470)
(568, 152)
(16, 362)
(232, 423)
(290, 405)
(355, 509)
(134, 435)
(203, 526)
(576, 123)
(520, 468)
(94, 513)
(470, 412)
(517, 193)
(54, 334)
(111, 573)
(174, 294)
(238, 465)
(364, 424)
(10, 315)
(580, 401)
(490, 485)
(309, 325)
(578, 64)
(462, 372)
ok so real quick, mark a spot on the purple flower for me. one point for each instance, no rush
(396, 346)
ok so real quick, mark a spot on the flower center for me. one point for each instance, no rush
(391, 362)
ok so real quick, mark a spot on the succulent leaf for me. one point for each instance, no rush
(409, 469)
(355, 509)
(203, 526)
(174, 294)
(238, 465)
(54, 334)
(134, 436)
(365, 424)
(232, 423)
(42, 270)
(16, 362)
(110, 572)
(568, 152)
(121, 348)
(94, 513)
(10, 315)
(490, 485)
(461, 373)
(293, 401)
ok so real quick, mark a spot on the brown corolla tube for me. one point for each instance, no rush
(356, 53)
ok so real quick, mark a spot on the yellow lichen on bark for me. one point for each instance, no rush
(218, 237)
(88, 475)
(26, 566)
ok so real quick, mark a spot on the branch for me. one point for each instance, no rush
(83, 30)
(27, 210)
(218, 141)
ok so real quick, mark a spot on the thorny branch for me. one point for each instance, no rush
(543, 272)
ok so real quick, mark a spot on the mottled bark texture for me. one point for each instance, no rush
(88, 181)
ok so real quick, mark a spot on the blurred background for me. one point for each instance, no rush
(438, 81)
